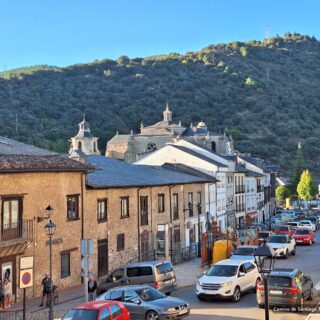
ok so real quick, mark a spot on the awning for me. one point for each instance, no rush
(252, 214)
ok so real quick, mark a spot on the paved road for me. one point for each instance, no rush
(306, 259)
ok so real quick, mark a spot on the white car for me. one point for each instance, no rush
(244, 253)
(283, 244)
(228, 279)
(307, 224)
(294, 224)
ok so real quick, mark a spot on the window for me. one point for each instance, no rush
(94, 146)
(105, 314)
(175, 206)
(65, 265)
(117, 275)
(144, 210)
(249, 266)
(102, 209)
(139, 271)
(199, 197)
(151, 146)
(73, 207)
(11, 213)
(190, 204)
(161, 207)
(116, 295)
(79, 145)
(120, 242)
(115, 311)
(130, 296)
(124, 207)
(176, 234)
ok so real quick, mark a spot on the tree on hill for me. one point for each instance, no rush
(296, 171)
(281, 194)
(306, 188)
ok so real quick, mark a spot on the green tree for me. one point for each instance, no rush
(123, 60)
(296, 171)
(306, 188)
(282, 193)
(250, 82)
(244, 51)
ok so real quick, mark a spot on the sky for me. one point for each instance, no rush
(65, 32)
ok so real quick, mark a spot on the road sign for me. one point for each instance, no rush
(87, 247)
(87, 263)
(26, 263)
(26, 278)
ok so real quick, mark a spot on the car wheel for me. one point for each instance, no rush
(256, 285)
(236, 295)
(286, 255)
(168, 293)
(200, 298)
(294, 251)
(152, 315)
(310, 242)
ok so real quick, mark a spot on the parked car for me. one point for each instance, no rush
(314, 220)
(294, 224)
(286, 229)
(158, 274)
(147, 303)
(307, 224)
(244, 253)
(264, 235)
(287, 287)
(283, 244)
(97, 310)
(304, 236)
(228, 279)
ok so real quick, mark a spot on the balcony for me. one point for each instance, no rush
(260, 188)
(16, 233)
(239, 189)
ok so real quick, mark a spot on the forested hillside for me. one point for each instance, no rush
(266, 94)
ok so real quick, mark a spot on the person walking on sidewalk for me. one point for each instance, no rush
(92, 287)
(7, 293)
(46, 289)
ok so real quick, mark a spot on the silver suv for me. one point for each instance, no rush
(157, 274)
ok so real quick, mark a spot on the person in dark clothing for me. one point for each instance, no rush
(92, 287)
(1, 295)
(46, 288)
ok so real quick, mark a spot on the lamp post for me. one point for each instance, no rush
(50, 228)
(199, 230)
(265, 267)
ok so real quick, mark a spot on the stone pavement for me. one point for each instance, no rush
(187, 274)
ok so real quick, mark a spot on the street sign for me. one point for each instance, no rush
(87, 263)
(26, 263)
(26, 278)
(87, 247)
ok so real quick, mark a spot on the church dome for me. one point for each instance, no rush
(201, 124)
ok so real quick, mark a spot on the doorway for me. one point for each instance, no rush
(103, 267)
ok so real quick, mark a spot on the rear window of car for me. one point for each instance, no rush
(139, 271)
(302, 232)
(81, 315)
(282, 228)
(115, 310)
(275, 281)
(263, 235)
(164, 268)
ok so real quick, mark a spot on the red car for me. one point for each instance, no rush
(264, 235)
(304, 236)
(97, 310)
(283, 230)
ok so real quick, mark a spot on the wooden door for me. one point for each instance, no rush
(103, 267)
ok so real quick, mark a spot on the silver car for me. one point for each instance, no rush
(147, 303)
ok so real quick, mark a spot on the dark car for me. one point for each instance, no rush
(264, 235)
(147, 303)
(287, 287)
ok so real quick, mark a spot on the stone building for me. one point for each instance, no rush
(133, 210)
(30, 180)
(132, 147)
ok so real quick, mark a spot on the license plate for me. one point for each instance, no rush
(208, 292)
(299, 240)
(166, 283)
(275, 292)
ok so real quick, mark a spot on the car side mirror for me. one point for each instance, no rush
(138, 302)
(241, 274)
(204, 273)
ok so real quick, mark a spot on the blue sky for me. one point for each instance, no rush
(64, 32)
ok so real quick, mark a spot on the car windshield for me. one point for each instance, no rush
(281, 229)
(222, 271)
(277, 239)
(263, 235)
(275, 281)
(149, 294)
(302, 232)
(305, 222)
(292, 223)
(81, 315)
(164, 268)
(244, 251)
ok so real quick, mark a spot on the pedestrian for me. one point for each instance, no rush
(7, 293)
(1, 295)
(46, 289)
(92, 287)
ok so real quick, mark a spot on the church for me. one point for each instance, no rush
(132, 147)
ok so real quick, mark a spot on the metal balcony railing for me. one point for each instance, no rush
(16, 232)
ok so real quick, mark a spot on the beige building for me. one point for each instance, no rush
(132, 147)
(30, 180)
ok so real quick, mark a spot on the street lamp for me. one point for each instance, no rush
(199, 230)
(50, 229)
(265, 267)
